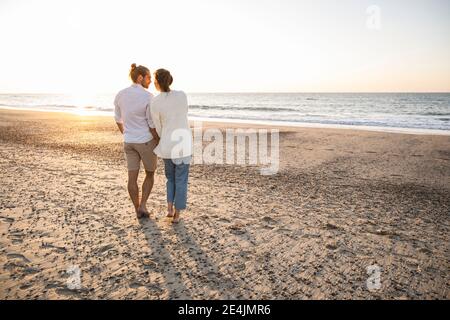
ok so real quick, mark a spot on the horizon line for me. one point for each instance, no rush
(247, 92)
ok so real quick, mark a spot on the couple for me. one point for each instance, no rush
(155, 127)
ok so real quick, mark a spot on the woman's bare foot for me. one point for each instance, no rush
(170, 210)
(176, 217)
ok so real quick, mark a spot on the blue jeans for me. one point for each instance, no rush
(177, 172)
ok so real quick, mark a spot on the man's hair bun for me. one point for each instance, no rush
(137, 71)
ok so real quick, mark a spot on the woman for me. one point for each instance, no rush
(169, 113)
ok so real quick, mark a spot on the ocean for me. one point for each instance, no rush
(422, 111)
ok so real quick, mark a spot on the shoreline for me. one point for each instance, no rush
(264, 123)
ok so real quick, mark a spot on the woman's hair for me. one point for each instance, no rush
(137, 71)
(164, 79)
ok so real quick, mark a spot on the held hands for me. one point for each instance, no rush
(155, 135)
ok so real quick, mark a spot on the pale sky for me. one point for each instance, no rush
(227, 45)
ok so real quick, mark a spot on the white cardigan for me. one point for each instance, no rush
(169, 114)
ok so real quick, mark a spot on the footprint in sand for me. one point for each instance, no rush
(25, 286)
(425, 251)
(269, 220)
(19, 263)
(382, 232)
(7, 219)
(12, 256)
(149, 263)
(136, 284)
(68, 292)
(52, 285)
(237, 229)
(105, 248)
(331, 226)
(57, 248)
(331, 246)
(16, 237)
(283, 230)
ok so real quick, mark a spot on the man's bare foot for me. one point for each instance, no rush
(143, 212)
(169, 214)
(176, 217)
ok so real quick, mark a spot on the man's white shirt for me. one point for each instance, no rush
(132, 109)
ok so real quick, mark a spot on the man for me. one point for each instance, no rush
(133, 118)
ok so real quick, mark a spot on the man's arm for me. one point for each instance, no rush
(118, 114)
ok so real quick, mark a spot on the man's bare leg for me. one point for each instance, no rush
(147, 187)
(133, 190)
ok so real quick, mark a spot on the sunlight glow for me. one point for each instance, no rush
(225, 46)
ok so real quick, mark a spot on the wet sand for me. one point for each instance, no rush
(343, 200)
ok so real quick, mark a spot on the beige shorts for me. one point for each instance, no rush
(135, 152)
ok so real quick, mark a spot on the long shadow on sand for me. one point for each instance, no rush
(172, 276)
(205, 274)
(202, 274)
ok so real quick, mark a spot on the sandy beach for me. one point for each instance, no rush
(343, 200)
